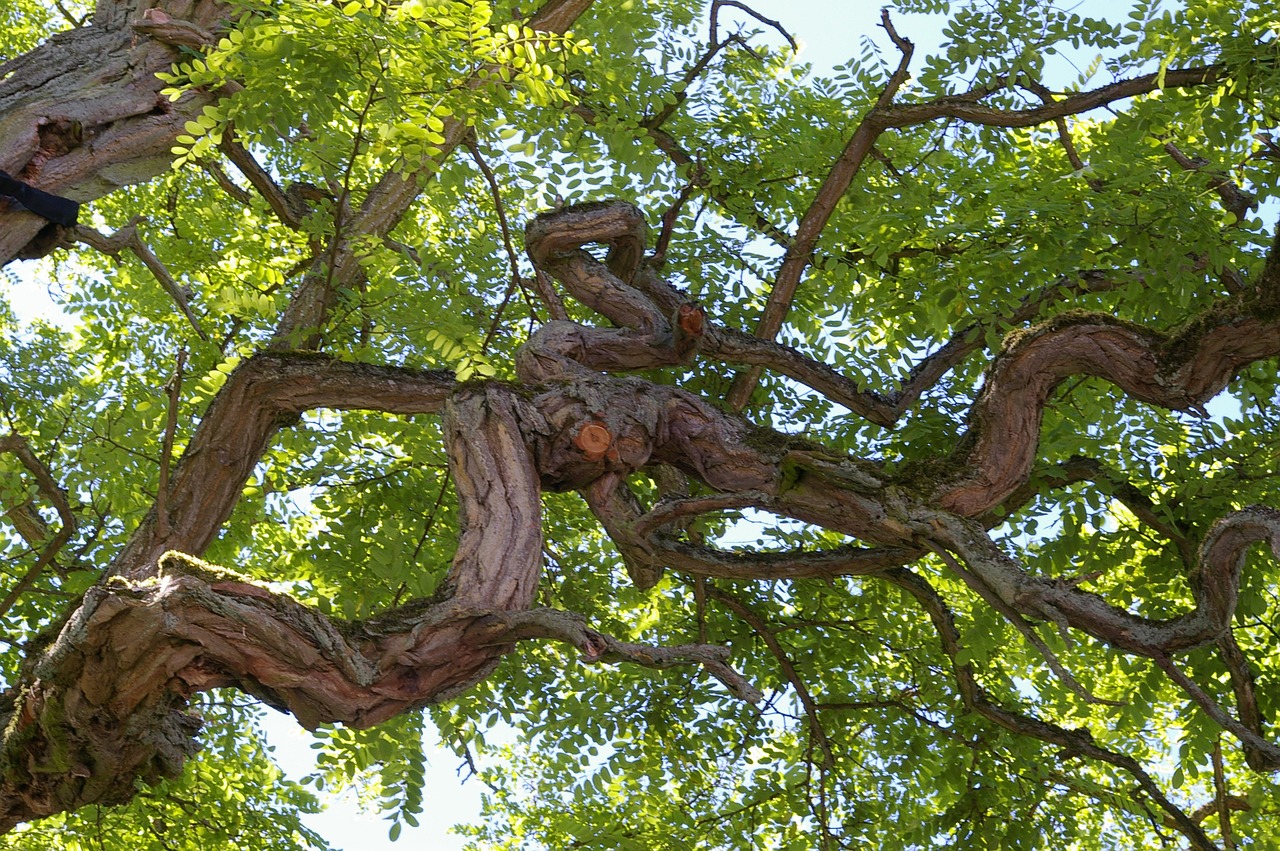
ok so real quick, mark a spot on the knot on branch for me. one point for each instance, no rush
(594, 440)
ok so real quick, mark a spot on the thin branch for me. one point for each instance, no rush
(666, 143)
(814, 221)
(1064, 132)
(549, 295)
(385, 204)
(761, 628)
(517, 283)
(671, 511)
(260, 179)
(1244, 686)
(127, 237)
(1220, 716)
(1079, 468)
(966, 107)
(225, 183)
(681, 90)
(714, 46)
(1221, 797)
(887, 408)
(596, 647)
(52, 491)
(1235, 200)
(174, 391)
(669, 219)
(646, 556)
(1020, 624)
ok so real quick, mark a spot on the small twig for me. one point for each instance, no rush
(174, 389)
(517, 283)
(571, 628)
(770, 22)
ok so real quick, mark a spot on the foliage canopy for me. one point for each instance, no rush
(941, 391)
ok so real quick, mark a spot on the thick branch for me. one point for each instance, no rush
(1180, 373)
(1215, 585)
(262, 394)
(82, 114)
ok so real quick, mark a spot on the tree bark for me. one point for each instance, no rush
(82, 114)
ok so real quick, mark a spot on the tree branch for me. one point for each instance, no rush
(52, 491)
(815, 219)
(967, 107)
(260, 180)
(596, 647)
(761, 628)
(1078, 742)
(127, 237)
(1179, 373)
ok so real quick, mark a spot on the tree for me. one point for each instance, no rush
(904, 436)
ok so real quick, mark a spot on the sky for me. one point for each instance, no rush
(829, 32)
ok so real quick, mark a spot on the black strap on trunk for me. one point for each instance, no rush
(59, 210)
